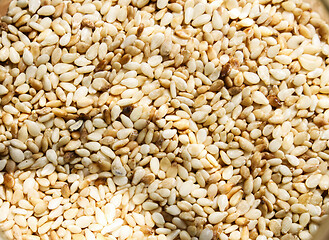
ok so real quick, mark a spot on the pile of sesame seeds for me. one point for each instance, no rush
(138, 119)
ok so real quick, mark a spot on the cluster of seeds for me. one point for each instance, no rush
(139, 119)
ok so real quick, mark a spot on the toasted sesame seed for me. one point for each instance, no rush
(191, 120)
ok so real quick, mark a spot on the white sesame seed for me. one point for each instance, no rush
(163, 120)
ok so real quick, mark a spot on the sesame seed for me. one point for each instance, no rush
(164, 120)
